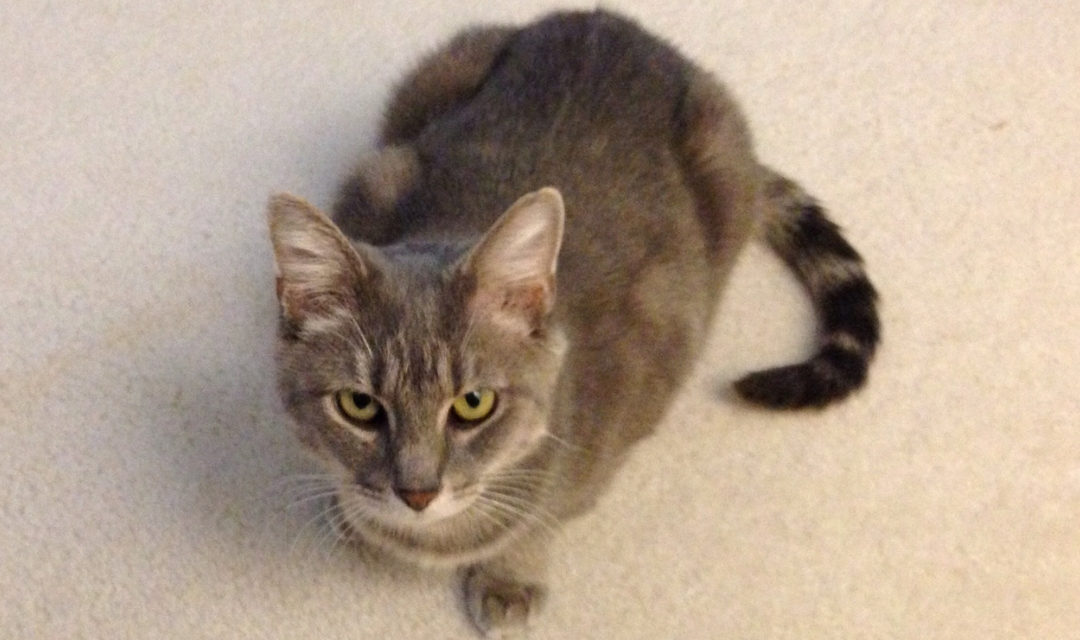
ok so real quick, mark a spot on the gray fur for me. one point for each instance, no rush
(586, 333)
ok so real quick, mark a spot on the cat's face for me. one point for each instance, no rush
(421, 378)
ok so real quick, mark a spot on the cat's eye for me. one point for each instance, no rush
(473, 406)
(358, 407)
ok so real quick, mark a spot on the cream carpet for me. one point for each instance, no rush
(144, 451)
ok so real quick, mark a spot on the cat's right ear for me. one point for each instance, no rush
(317, 268)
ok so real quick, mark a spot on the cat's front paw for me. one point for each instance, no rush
(499, 606)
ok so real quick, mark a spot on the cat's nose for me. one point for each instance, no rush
(417, 500)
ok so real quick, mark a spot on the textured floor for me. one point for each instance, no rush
(143, 449)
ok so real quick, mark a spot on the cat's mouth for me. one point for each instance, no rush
(465, 524)
(394, 510)
(477, 508)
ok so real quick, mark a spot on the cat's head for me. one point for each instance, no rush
(420, 376)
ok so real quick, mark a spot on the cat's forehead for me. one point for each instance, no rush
(422, 362)
(413, 297)
(413, 325)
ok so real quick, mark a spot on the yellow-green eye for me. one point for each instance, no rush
(475, 405)
(357, 406)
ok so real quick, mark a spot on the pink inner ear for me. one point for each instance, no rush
(520, 308)
(531, 299)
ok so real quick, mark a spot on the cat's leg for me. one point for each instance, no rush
(441, 80)
(501, 594)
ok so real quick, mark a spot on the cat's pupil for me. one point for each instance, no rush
(472, 398)
(361, 400)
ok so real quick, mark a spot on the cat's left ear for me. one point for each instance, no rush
(317, 267)
(513, 266)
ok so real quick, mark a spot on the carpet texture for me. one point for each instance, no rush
(143, 490)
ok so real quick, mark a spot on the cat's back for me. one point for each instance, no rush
(586, 102)
(574, 101)
(581, 74)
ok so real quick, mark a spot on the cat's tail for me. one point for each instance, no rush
(797, 229)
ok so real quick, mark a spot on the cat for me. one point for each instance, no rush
(514, 285)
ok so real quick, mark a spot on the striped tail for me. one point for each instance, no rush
(796, 228)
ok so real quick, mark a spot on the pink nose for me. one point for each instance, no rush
(417, 500)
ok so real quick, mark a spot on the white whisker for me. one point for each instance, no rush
(313, 520)
(468, 329)
(520, 509)
(525, 478)
(338, 526)
(537, 474)
(479, 510)
(326, 492)
(566, 443)
(363, 338)
(521, 515)
(292, 484)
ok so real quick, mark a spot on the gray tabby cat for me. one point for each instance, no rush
(514, 285)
